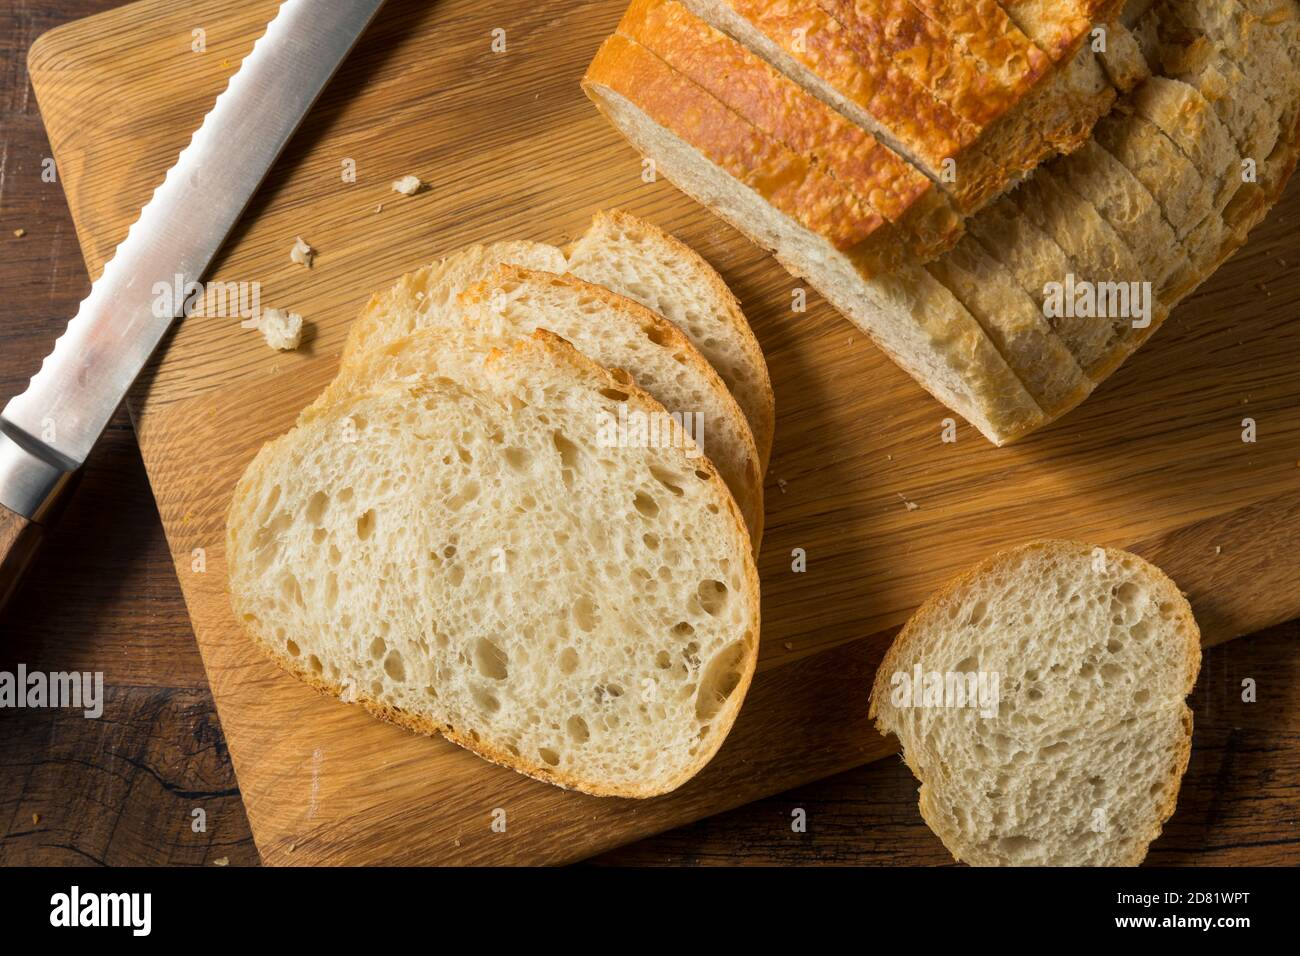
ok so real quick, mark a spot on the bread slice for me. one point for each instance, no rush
(634, 258)
(433, 290)
(909, 315)
(783, 110)
(1075, 754)
(458, 551)
(617, 333)
(1015, 324)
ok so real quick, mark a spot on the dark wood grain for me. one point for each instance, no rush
(103, 596)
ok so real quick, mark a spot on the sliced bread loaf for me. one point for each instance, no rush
(635, 258)
(462, 552)
(909, 315)
(1040, 699)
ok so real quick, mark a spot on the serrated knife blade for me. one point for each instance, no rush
(48, 431)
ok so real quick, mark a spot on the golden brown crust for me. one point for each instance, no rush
(789, 181)
(779, 107)
(544, 346)
(926, 126)
(921, 49)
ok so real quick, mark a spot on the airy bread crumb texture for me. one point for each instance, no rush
(458, 551)
(1095, 651)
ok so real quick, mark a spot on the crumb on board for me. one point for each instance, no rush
(781, 483)
(36, 818)
(281, 329)
(907, 503)
(1218, 549)
(301, 253)
(788, 645)
(221, 861)
(19, 233)
(408, 185)
(379, 208)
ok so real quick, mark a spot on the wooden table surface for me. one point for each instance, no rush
(103, 596)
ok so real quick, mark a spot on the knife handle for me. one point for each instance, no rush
(19, 540)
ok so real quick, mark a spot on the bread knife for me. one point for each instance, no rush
(47, 432)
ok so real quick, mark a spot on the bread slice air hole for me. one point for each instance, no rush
(646, 505)
(395, 667)
(713, 596)
(490, 659)
(366, 525)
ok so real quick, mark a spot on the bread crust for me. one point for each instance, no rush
(927, 617)
(782, 109)
(539, 347)
(791, 182)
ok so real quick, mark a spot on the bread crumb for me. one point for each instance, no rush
(221, 861)
(379, 208)
(1218, 549)
(292, 847)
(408, 185)
(780, 483)
(301, 253)
(788, 645)
(282, 330)
(909, 505)
(36, 818)
(19, 233)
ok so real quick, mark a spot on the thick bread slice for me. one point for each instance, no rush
(782, 109)
(1127, 206)
(636, 259)
(790, 181)
(909, 315)
(458, 552)
(433, 289)
(616, 333)
(1035, 259)
(1059, 27)
(1016, 325)
(1076, 753)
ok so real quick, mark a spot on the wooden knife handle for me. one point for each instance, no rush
(19, 539)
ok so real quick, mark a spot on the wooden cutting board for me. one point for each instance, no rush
(860, 479)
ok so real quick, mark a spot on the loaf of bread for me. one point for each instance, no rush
(1119, 150)
(464, 548)
(1040, 699)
